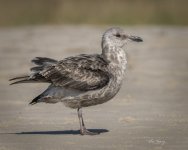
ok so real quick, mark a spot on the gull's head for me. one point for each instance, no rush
(117, 37)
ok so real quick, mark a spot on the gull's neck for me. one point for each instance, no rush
(113, 54)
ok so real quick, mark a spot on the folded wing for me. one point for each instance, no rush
(83, 72)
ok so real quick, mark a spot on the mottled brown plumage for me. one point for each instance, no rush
(83, 72)
(83, 80)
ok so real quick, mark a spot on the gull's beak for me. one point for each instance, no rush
(135, 38)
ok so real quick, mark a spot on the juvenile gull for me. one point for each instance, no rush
(83, 80)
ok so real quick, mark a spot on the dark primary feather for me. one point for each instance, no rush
(17, 78)
(27, 79)
(41, 63)
(83, 72)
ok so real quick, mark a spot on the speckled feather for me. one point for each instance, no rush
(82, 72)
(83, 80)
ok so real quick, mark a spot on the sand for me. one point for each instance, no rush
(149, 113)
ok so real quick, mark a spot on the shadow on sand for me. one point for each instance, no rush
(74, 132)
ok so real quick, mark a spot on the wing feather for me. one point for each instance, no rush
(84, 72)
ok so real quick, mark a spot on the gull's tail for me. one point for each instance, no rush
(35, 100)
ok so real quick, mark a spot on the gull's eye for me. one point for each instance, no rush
(118, 35)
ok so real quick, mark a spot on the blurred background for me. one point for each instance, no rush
(98, 12)
(150, 111)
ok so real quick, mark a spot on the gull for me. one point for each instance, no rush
(83, 80)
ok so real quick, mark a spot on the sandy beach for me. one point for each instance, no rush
(149, 113)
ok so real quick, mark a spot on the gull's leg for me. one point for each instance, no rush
(83, 130)
(80, 119)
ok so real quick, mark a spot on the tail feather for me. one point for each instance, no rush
(37, 68)
(35, 100)
(43, 61)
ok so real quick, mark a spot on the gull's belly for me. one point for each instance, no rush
(98, 96)
(117, 68)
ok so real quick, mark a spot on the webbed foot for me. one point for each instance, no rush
(87, 132)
